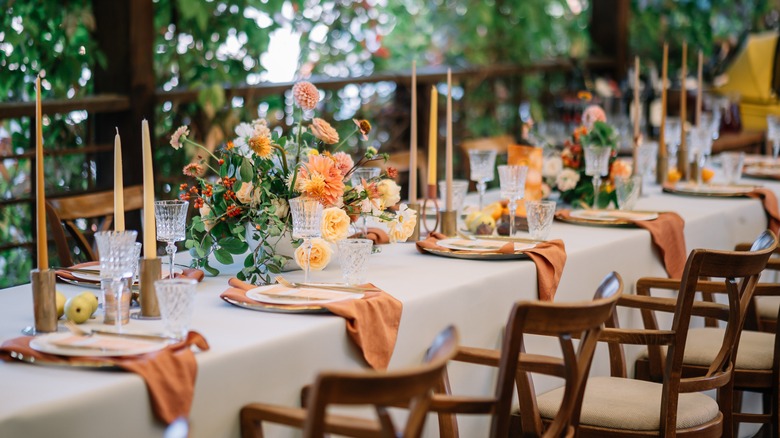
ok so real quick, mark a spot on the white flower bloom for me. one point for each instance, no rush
(205, 212)
(281, 207)
(567, 179)
(552, 167)
(403, 226)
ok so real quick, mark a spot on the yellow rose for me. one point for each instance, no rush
(335, 224)
(244, 194)
(321, 253)
(389, 192)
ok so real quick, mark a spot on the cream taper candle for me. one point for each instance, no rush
(413, 140)
(448, 151)
(119, 186)
(40, 193)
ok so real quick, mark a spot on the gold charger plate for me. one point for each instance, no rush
(78, 363)
(276, 308)
(469, 255)
(710, 191)
(617, 223)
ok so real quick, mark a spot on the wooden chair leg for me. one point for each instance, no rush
(448, 423)
(249, 427)
(726, 403)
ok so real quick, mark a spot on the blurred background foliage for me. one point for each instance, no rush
(211, 45)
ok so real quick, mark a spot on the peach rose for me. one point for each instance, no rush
(335, 224)
(389, 192)
(244, 194)
(321, 253)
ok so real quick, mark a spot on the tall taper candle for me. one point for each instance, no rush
(699, 88)
(664, 75)
(682, 152)
(40, 193)
(150, 229)
(119, 186)
(448, 152)
(413, 140)
(432, 136)
(637, 109)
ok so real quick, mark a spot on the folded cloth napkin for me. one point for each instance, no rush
(666, 233)
(769, 201)
(378, 235)
(169, 373)
(197, 274)
(372, 322)
(549, 258)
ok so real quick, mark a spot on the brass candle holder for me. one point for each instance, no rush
(449, 226)
(433, 198)
(416, 233)
(150, 270)
(44, 302)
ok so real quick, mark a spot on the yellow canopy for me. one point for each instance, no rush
(750, 74)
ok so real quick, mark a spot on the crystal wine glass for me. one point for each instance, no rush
(773, 133)
(701, 148)
(306, 221)
(171, 217)
(596, 166)
(482, 163)
(117, 257)
(358, 176)
(512, 180)
(672, 134)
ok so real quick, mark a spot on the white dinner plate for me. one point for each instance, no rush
(68, 344)
(614, 215)
(276, 294)
(94, 275)
(480, 245)
(713, 189)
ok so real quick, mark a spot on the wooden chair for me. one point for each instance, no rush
(757, 363)
(63, 214)
(618, 406)
(563, 321)
(411, 387)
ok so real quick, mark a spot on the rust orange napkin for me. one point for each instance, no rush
(197, 274)
(666, 233)
(372, 322)
(549, 258)
(169, 373)
(769, 200)
(378, 235)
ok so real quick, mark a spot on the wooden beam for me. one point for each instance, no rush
(100, 103)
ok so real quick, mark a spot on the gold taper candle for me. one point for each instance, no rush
(413, 140)
(40, 193)
(150, 229)
(637, 109)
(448, 152)
(699, 88)
(682, 152)
(432, 136)
(119, 186)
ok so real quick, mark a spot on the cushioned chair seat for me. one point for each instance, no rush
(767, 307)
(756, 349)
(630, 405)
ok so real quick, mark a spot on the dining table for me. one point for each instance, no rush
(257, 356)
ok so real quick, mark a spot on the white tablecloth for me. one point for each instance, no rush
(268, 357)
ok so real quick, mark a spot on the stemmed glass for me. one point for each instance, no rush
(512, 180)
(117, 259)
(306, 221)
(701, 148)
(596, 166)
(672, 134)
(482, 163)
(171, 219)
(773, 133)
(358, 176)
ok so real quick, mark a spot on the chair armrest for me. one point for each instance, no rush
(451, 404)
(531, 363)
(479, 356)
(767, 290)
(700, 308)
(637, 336)
(644, 284)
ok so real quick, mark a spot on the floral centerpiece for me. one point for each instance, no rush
(243, 203)
(566, 173)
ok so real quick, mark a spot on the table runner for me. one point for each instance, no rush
(549, 258)
(372, 321)
(169, 374)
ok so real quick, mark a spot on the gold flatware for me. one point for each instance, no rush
(498, 238)
(79, 270)
(353, 289)
(78, 331)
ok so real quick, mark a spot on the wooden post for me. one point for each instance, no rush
(125, 34)
(609, 32)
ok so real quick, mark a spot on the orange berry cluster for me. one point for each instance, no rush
(228, 182)
(233, 211)
(208, 190)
